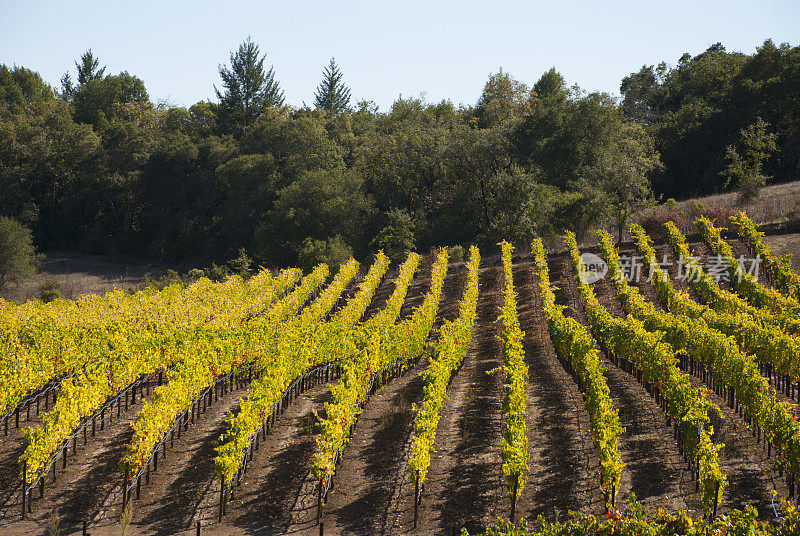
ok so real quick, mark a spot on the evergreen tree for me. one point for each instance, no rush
(88, 68)
(66, 86)
(332, 95)
(248, 88)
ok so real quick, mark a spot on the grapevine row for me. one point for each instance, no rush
(628, 339)
(721, 300)
(37, 351)
(126, 354)
(204, 359)
(383, 349)
(745, 283)
(733, 373)
(515, 428)
(300, 348)
(755, 334)
(778, 269)
(448, 353)
(574, 344)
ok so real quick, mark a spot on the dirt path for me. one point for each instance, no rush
(562, 456)
(465, 486)
(654, 469)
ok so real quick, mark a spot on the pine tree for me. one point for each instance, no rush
(66, 86)
(87, 68)
(332, 95)
(248, 89)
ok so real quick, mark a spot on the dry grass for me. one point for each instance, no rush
(78, 274)
(773, 205)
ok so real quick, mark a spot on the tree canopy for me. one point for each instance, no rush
(98, 167)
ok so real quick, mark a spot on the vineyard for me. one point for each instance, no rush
(488, 394)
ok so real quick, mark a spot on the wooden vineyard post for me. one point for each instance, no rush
(716, 500)
(319, 502)
(24, 475)
(613, 496)
(221, 497)
(514, 498)
(198, 528)
(416, 499)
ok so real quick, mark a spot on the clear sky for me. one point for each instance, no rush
(445, 50)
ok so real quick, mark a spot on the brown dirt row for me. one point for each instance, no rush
(465, 485)
(12, 446)
(79, 490)
(562, 456)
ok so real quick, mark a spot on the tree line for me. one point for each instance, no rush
(97, 166)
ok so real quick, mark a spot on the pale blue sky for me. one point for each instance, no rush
(442, 49)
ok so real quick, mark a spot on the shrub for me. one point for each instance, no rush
(697, 209)
(195, 273)
(217, 273)
(50, 290)
(397, 238)
(456, 253)
(332, 251)
(241, 264)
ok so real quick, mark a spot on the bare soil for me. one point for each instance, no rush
(562, 456)
(788, 244)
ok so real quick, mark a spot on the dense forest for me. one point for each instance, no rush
(95, 165)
